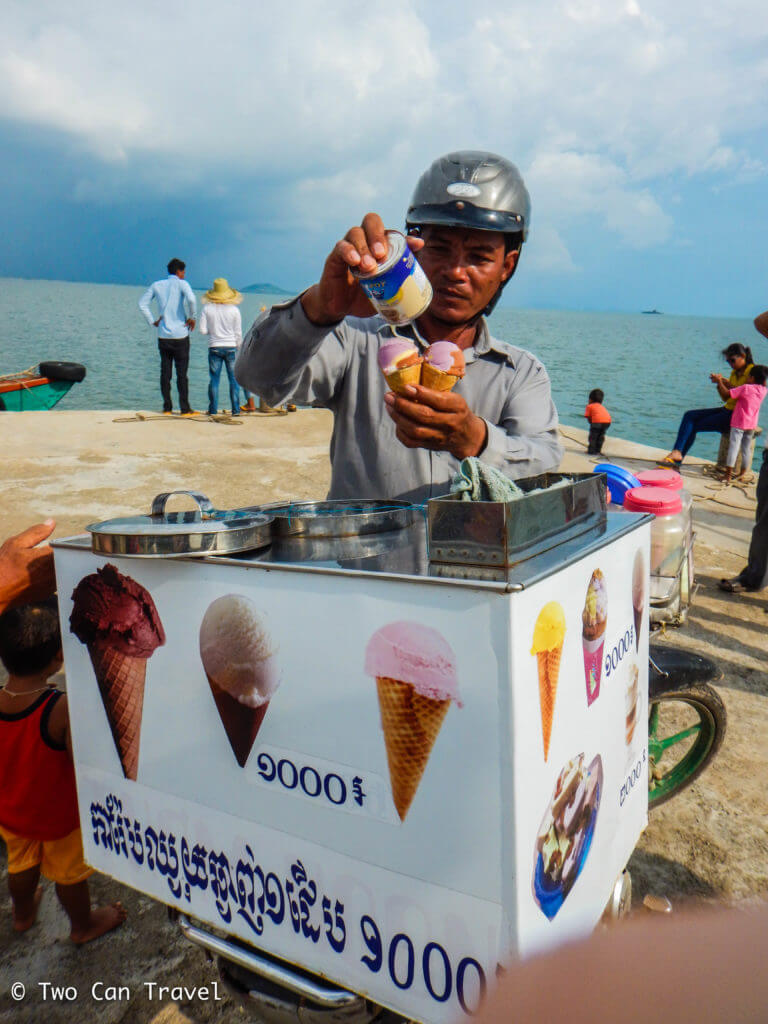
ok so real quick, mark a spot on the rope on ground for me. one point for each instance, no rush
(142, 417)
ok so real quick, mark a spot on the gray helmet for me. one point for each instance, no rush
(472, 189)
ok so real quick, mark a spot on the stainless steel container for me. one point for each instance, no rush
(555, 509)
(323, 519)
(204, 531)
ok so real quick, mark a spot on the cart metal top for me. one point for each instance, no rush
(403, 555)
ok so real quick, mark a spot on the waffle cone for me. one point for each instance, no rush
(438, 380)
(549, 673)
(638, 613)
(121, 684)
(406, 375)
(241, 722)
(411, 724)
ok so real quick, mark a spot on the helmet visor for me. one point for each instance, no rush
(462, 214)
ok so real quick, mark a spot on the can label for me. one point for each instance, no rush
(399, 290)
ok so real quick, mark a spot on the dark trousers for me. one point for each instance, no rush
(174, 351)
(596, 437)
(701, 421)
(754, 575)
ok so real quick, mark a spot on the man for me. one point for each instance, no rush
(754, 575)
(467, 222)
(176, 307)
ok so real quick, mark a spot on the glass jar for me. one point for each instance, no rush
(669, 536)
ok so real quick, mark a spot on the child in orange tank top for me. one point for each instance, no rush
(38, 800)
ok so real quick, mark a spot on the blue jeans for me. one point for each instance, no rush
(701, 421)
(218, 357)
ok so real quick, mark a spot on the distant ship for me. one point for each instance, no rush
(652, 312)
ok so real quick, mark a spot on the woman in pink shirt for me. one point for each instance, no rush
(749, 398)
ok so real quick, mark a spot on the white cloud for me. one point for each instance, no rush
(336, 107)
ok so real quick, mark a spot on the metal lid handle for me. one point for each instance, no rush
(207, 511)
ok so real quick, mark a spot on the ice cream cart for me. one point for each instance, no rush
(392, 746)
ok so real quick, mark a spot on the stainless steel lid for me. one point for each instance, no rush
(340, 518)
(203, 531)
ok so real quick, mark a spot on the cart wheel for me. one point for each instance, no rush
(685, 730)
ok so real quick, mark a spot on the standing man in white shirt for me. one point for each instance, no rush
(220, 320)
(177, 310)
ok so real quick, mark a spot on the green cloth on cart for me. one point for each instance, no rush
(477, 481)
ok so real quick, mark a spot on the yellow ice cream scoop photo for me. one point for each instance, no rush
(548, 636)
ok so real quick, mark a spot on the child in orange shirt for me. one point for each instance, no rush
(39, 820)
(599, 421)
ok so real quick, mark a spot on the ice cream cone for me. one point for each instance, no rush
(549, 673)
(638, 612)
(121, 684)
(399, 379)
(241, 721)
(411, 723)
(438, 380)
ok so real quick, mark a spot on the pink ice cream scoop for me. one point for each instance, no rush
(446, 357)
(414, 654)
(396, 354)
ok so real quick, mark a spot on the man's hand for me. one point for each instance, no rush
(157, 321)
(26, 571)
(337, 294)
(761, 324)
(190, 323)
(438, 420)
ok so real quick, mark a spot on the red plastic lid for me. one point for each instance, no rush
(661, 478)
(658, 500)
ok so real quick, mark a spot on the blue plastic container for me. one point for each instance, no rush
(620, 480)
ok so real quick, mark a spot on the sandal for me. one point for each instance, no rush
(734, 586)
(666, 462)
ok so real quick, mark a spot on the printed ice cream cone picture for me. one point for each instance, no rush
(548, 636)
(632, 694)
(117, 620)
(594, 619)
(240, 662)
(639, 577)
(565, 835)
(415, 672)
(443, 366)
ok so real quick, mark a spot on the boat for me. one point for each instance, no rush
(39, 387)
(652, 312)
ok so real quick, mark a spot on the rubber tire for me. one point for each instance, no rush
(63, 371)
(714, 719)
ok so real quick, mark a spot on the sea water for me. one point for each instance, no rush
(651, 367)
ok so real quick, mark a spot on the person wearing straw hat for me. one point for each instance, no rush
(221, 321)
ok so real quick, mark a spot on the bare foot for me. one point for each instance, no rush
(103, 920)
(23, 924)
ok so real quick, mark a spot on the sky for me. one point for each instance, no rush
(248, 138)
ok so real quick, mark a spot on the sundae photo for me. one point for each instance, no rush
(639, 577)
(443, 366)
(239, 660)
(565, 835)
(633, 692)
(594, 619)
(415, 672)
(116, 618)
(548, 636)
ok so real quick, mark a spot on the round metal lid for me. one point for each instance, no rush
(203, 531)
(340, 518)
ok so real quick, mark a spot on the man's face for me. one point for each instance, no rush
(465, 268)
(181, 273)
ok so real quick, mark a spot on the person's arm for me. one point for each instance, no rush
(203, 325)
(58, 724)
(237, 326)
(26, 569)
(286, 357)
(191, 304)
(723, 389)
(761, 324)
(145, 306)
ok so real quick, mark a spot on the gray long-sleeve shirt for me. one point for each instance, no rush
(286, 357)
